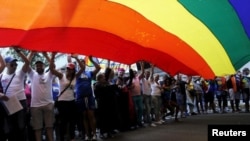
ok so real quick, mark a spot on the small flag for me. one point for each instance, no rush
(89, 63)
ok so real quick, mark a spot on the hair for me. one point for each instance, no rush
(99, 76)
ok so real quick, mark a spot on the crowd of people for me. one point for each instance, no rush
(56, 103)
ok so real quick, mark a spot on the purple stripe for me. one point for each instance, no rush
(242, 8)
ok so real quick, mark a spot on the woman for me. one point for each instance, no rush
(85, 99)
(106, 110)
(66, 99)
(156, 95)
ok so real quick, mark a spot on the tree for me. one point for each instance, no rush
(36, 57)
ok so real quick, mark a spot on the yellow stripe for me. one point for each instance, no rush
(174, 18)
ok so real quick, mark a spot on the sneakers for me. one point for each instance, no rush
(158, 122)
(152, 125)
(104, 136)
(87, 138)
(94, 138)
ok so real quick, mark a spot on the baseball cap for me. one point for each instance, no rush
(71, 65)
(39, 62)
(9, 59)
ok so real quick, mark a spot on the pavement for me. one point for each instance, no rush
(191, 128)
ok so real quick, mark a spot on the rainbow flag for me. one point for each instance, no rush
(195, 37)
(89, 63)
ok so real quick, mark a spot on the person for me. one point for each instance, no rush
(3, 136)
(199, 96)
(66, 99)
(146, 93)
(238, 77)
(27, 90)
(166, 94)
(85, 100)
(245, 88)
(231, 86)
(182, 96)
(156, 95)
(13, 79)
(209, 95)
(191, 95)
(55, 93)
(221, 93)
(106, 101)
(173, 99)
(42, 103)
(137, 99)
(123, 101)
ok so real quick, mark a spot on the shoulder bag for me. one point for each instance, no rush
(56, 101)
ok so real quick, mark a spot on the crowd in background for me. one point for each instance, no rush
(57, 103)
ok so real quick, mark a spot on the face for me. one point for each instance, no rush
(70, 72)
(157, 77)
(83, 62)
(147, 74)
(40, 68)
(11, 66)
(120, 73)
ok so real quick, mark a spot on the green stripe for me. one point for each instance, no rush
(220, 17)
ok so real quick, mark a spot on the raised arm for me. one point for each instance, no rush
(152, 73)
(142, 70)
(30, 56)
(97, 66)
(52, 66)
(2, 64)
(25, 67)
(45, 54)
(81, 65)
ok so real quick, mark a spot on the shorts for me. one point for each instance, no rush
(43, 113)
(86, 103)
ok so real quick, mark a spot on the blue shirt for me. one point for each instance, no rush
(83, 85)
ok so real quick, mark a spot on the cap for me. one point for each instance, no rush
(9, 59)
(39, 62)
(71, 65)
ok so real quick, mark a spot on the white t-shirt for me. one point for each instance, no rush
(41, 88)
(145, 85)
(68, 94)
(16, 86)
(156, 91)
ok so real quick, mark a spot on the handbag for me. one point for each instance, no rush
(56, 100)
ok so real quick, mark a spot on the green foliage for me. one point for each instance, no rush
(36, 57)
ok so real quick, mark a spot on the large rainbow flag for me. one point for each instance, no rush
(195, 37)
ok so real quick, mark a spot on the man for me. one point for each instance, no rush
(245, 88)
(12, 83)
(42, 103)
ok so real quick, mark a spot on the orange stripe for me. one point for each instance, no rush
(136, 33)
